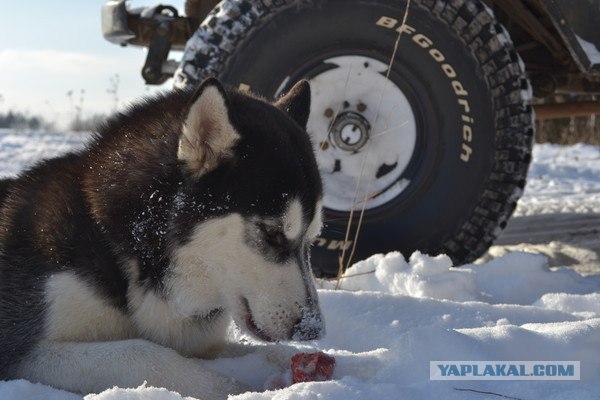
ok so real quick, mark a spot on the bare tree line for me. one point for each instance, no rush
(79, 121)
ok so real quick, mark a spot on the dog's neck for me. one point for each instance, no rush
(188, 319)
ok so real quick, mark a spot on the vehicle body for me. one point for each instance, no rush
(555, 38)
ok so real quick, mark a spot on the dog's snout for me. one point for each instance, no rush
(309, 327)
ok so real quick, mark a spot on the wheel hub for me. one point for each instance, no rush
(350, 131)
(363, 131)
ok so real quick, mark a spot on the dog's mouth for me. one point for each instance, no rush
(251, 325)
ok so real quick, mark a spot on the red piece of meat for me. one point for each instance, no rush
(312, 367)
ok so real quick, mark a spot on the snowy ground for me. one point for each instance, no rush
(393, 316)
(559, 214)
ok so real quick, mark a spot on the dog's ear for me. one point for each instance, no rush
(297, 102)
(207, 135)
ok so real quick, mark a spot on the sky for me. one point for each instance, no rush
(49, 49)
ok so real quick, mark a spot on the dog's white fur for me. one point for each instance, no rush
(89, 345)
(96, 366)
(78, 314)
(292, 220)
(241, 273)
(157, 319)
(314, 228)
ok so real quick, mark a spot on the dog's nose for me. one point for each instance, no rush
(309, 327)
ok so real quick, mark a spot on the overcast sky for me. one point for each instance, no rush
(49, 48)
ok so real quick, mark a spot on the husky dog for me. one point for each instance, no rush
(120, 262)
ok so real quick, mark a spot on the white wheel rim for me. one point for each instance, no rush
(345, 154)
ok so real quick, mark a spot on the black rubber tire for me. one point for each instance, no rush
(454, 206)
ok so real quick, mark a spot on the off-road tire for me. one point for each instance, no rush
(441, 219)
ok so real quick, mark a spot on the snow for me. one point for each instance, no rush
(392, 315)
(19, 150)
(562, 179)
(494, 282)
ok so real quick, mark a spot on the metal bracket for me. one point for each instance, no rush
(160, 43)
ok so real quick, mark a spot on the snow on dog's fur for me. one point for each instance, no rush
(119, 261)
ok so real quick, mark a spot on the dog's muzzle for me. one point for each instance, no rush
(310, 327)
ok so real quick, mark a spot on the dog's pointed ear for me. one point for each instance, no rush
(207, 135)
(297, 102)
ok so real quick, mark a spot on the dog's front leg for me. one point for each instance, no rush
(94, 367)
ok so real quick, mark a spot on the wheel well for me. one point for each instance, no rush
(548, 59)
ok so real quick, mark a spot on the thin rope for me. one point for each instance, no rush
(360, 220)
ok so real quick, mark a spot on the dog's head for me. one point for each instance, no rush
(252, 196)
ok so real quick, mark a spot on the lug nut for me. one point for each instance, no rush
(361, 107)
(329, 113)
(324, 145)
